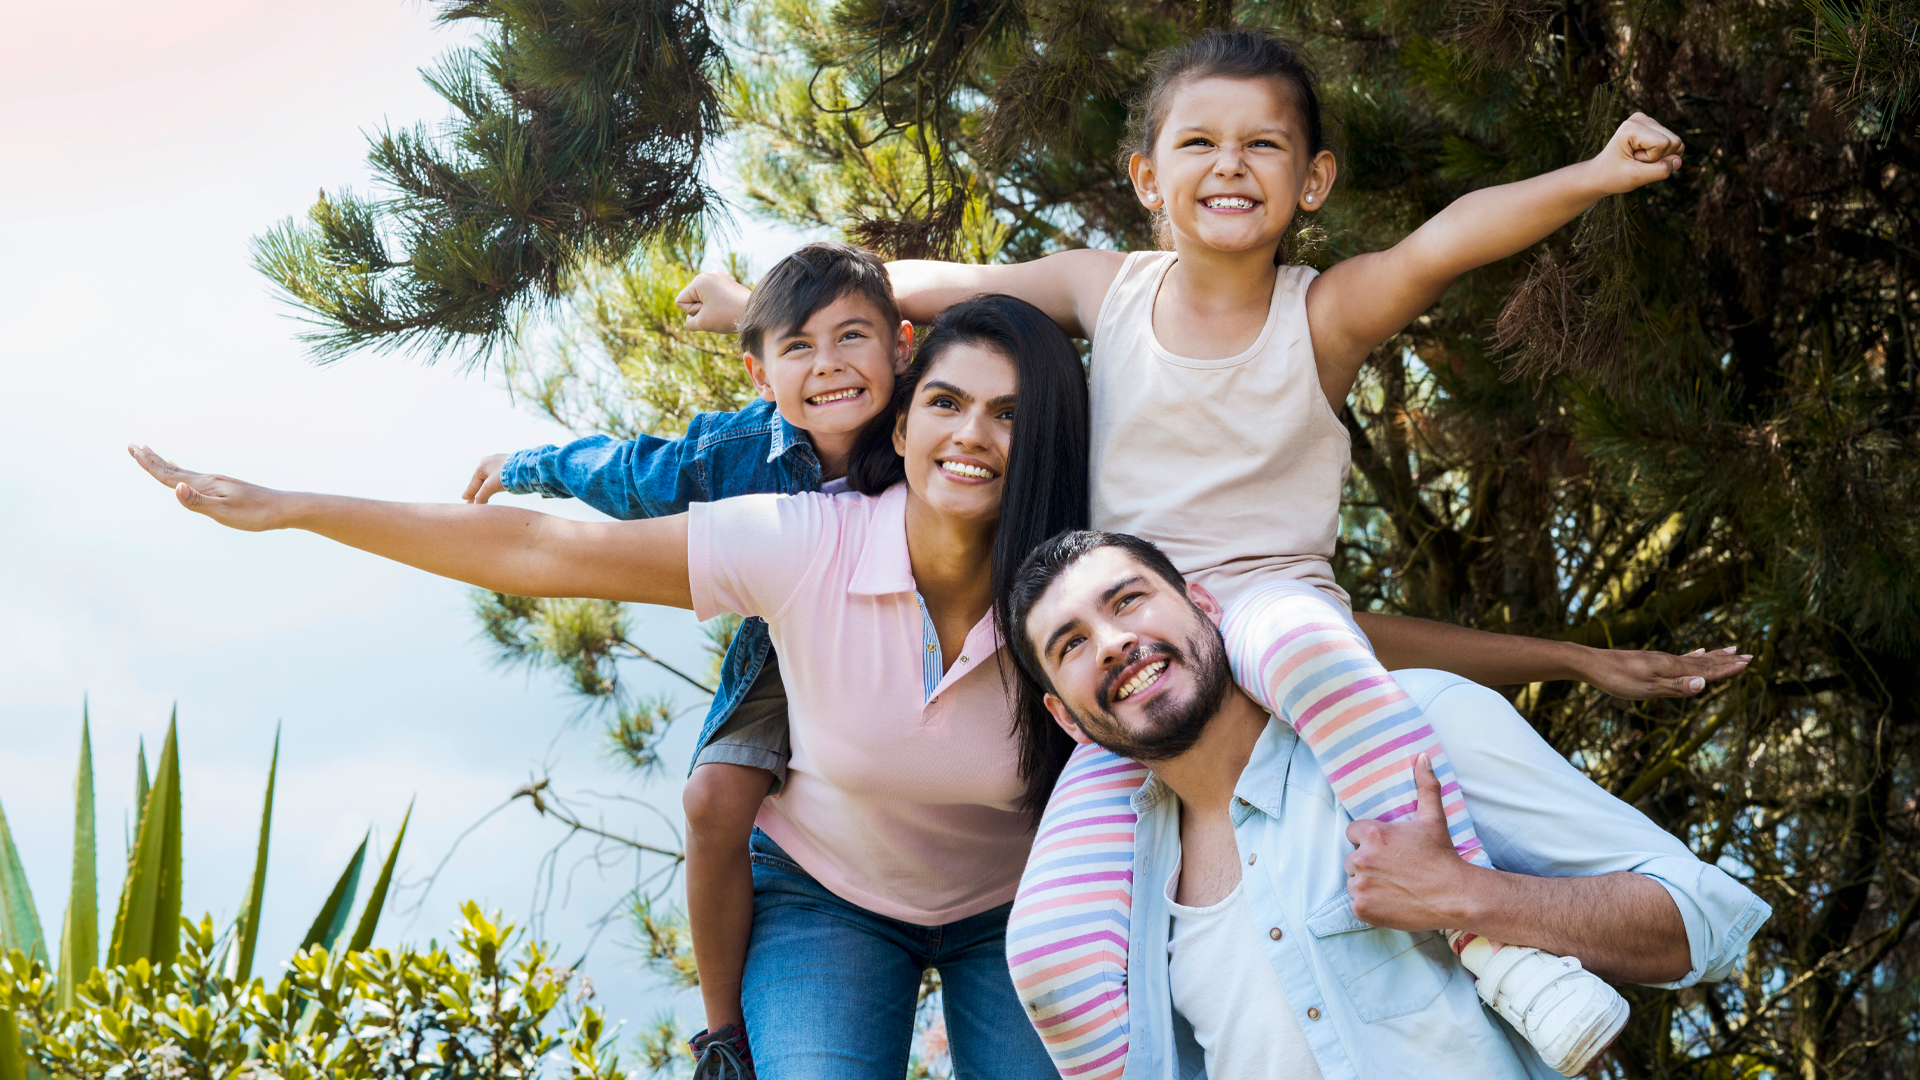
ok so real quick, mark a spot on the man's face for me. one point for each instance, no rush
(1136, 665)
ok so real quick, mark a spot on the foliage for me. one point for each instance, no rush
(1690, 419)
(490, 1007)
(577, 134)
(146, 939)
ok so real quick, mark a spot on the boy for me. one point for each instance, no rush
(822, 340)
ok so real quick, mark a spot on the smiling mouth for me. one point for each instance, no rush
(1229, 202)
(833, 396)
(971, 472)
(1142, 679)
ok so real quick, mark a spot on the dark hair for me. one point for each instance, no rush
(801, 284)
(1248, 53)
(1045, 490)
(1048, 561)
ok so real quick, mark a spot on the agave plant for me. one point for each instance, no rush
(147, 922)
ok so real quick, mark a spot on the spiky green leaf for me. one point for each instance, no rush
(247, 927)
(377, 899)
(333, 914)
(19, 924)
(80, 929)
(147, 925)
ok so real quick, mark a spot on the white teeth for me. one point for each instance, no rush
(1143, 679)
(837, 395)
(962, 468)
(1230, 202)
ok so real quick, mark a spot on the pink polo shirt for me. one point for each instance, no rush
(900, 803)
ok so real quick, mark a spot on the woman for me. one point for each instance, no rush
(898, 841)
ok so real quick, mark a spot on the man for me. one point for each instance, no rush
(1271, 935)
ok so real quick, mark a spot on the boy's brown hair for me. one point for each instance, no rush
(809, 279)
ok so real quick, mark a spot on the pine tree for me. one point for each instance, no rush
(1691, 418)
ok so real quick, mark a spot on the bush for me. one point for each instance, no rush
(490, 1007)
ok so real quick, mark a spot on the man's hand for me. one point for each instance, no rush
(233, 503)
(486, 479)
(1640, 675)
(713, 302)
(1405, 874)
(1640, 153)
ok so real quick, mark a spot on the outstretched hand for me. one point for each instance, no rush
(233, 503)
(1641, 675)
(486, 479)
(1640, 152)
(1405, 874)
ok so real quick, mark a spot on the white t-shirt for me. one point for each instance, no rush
(1224, 986)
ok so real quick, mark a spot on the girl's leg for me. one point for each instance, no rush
(830, 988)
(1302, 658)
(987, 1030)
(1067, 933)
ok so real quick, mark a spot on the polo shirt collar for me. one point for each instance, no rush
(883, 568)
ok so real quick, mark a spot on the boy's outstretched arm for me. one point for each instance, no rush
(502, 548)
(1509, 659)
(1362, 301)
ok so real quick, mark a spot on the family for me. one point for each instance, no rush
(1046, 683)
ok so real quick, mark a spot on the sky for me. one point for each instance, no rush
(142, 146)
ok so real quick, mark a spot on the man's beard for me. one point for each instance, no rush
(1172, 726)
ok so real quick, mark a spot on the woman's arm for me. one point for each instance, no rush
(502, 548)
(1509, 659)
(1362, 301)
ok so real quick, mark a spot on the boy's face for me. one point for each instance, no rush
(835, 372)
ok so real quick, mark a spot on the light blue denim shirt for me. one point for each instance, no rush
(1378, 1003)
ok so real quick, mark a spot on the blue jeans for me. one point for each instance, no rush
(830, 987)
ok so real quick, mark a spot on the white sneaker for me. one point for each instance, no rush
(1564, 1010)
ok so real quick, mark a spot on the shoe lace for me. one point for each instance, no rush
(720, 1060)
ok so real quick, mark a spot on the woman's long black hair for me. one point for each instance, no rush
(1045, 490)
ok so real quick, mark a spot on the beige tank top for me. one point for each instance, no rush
(1235, 466)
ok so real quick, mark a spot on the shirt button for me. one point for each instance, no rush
(1274, 933)
(1239, 800)
(931, 647)
(1253, 858)
(963, 659)
(1313, 1014)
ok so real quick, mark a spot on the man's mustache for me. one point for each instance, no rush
(1110, 684)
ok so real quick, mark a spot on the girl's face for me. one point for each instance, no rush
(955, 432)
(1231, 165)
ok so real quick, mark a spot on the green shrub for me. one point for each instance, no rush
(486, 1008)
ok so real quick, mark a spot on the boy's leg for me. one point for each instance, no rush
(721, 801)
(1067, 932)
(1302, 658)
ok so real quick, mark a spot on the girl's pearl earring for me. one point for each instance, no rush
(1309, 198)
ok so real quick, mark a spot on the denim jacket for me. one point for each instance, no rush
(1379, 1003)
(750, 452)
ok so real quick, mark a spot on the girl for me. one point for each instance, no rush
(898, 840)
(1217, 372)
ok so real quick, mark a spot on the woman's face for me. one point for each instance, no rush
(955, 432)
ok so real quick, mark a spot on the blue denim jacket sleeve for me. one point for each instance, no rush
(636, 478)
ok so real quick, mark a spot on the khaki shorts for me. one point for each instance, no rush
(756, 734)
